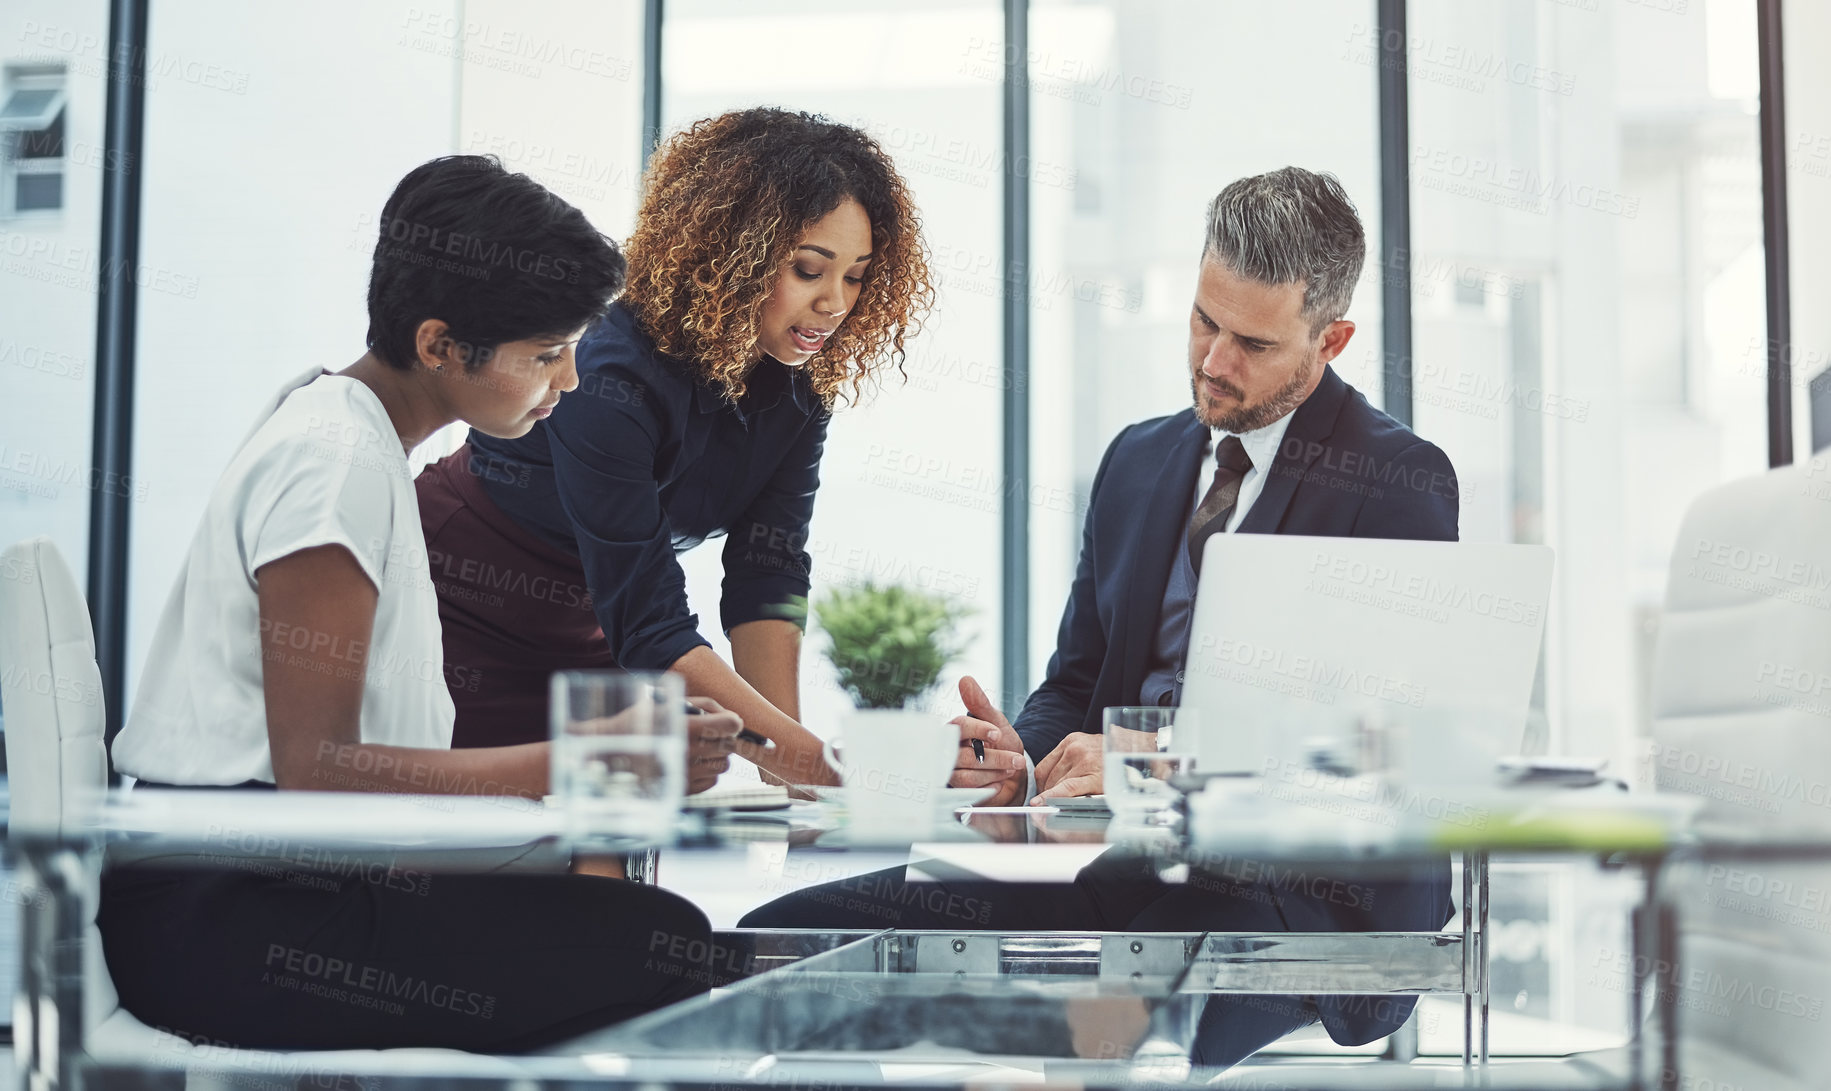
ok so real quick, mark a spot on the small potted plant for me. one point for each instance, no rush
(889, 644)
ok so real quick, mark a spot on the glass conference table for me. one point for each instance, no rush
(861, 1007)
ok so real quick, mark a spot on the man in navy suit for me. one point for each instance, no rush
(1275, 443)
(1280, 441)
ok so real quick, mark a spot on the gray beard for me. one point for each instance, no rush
(1251, 418)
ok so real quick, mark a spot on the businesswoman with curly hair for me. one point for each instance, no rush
(777, 267)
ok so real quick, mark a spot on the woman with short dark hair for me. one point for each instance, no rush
(300, 650)
(777, 266)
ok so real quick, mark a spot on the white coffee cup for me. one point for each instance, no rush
(893, 770)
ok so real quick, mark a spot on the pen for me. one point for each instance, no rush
(743, 733)
(979, 749)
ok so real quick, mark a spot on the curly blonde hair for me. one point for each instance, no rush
(725, 203)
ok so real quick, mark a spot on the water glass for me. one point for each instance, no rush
(619, 756)
(1142, 754)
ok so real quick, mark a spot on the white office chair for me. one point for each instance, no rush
(1746, 619)
(57, 767)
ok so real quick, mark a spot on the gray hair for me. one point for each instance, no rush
(1291, 226)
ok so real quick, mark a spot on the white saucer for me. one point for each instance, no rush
(951, 798)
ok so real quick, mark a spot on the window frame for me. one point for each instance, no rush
(13, 133)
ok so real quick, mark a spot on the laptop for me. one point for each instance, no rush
(1308, 652)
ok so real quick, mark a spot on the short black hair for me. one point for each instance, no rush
(494, 255)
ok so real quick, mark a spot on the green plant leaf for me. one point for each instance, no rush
(889, 644)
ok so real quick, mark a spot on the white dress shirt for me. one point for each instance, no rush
(1262, 447)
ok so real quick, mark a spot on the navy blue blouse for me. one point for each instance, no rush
(642, 462)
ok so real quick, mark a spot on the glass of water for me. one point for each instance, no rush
(1142, 755)
(619, 756)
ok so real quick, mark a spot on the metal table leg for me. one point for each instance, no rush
(1662, 921)
(1468, 958)
(1653, 1052)
(1474, 959)
(1482, 953)
(48, 1011)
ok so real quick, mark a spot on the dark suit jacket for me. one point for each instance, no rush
(1344, 470)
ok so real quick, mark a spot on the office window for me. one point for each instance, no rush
(1808, 177)
(1135, 126)
(1592, 172)
(32, 128)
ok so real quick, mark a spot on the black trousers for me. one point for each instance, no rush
(281, 956)
(1118, 892)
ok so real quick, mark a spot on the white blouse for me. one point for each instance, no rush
(324, 466)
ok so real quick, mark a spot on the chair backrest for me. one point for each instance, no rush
(51, 691)
(56, 752)
(1741, 711)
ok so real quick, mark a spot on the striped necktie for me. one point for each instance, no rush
(1230, 466)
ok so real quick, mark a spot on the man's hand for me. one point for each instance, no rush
(711, 737)
(1004, 763)
(1073, 768)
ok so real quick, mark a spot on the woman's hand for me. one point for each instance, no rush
(711, 738)
(796, 756)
